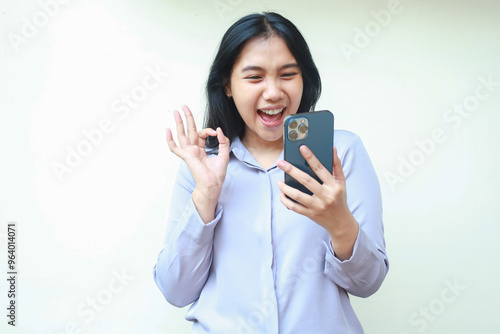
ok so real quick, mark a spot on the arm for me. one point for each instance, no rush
(184, 261)
(348, 206)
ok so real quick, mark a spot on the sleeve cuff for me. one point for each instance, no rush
(193, 226)
(361, 254)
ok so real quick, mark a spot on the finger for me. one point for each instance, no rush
(170, 138)
(338, 173)
(181, 135)
(294, 206)
(305, 179)
(316, 165)
(171, 142)
(224, 144)
(191, 125)
(298, 196)
(203, 134)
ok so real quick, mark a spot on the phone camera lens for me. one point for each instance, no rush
(303, 128)
(293, 135)
(293, 124)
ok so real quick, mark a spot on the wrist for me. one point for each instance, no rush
(205, 204)
(343, 237)
(342, 226)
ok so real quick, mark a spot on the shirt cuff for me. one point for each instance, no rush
(361, 255)
(193, 226)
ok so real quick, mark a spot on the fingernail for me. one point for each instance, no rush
(304, 149)
(281, 163)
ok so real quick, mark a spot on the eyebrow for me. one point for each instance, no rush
(258, 68)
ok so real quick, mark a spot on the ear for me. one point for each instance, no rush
(227, 88)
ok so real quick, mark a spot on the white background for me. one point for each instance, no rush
(64, 73)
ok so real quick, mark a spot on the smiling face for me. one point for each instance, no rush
(266, 85)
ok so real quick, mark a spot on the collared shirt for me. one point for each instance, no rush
(261, 268)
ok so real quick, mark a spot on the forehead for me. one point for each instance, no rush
(261, 51)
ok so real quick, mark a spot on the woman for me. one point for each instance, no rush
(249, 259)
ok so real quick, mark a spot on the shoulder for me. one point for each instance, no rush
(352, 152)
(342, 137)
(346, 140)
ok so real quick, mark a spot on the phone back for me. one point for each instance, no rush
(315, 130)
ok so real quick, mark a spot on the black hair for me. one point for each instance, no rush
(221, 111)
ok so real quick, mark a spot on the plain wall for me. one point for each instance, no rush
(419, 81)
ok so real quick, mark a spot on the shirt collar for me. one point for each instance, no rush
(241, 153)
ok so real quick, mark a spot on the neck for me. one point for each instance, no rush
(265, 152)
(263, 146)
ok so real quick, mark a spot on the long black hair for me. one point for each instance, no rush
(221, 111)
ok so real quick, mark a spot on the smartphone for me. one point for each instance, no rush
(315, 130)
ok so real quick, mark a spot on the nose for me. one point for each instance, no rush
(272, 91)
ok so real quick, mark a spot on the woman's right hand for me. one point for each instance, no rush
(208, 173)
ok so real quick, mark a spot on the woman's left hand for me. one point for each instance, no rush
(327, 206)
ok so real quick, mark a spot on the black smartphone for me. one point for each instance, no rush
(315, 130)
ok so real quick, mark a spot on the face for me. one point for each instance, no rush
(266, 85)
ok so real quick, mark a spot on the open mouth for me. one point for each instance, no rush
(271, 117)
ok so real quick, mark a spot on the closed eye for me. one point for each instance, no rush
(253, 78)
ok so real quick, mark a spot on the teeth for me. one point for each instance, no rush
(272, 111)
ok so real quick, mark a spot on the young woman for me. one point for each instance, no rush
(249, 259)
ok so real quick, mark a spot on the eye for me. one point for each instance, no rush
(289, 75)
(253, 77)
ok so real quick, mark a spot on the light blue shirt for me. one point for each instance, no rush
(261, 268)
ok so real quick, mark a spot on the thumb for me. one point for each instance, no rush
(223, 144)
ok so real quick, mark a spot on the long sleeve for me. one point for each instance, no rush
(259, 267)
(364, 272)
(184, 261)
